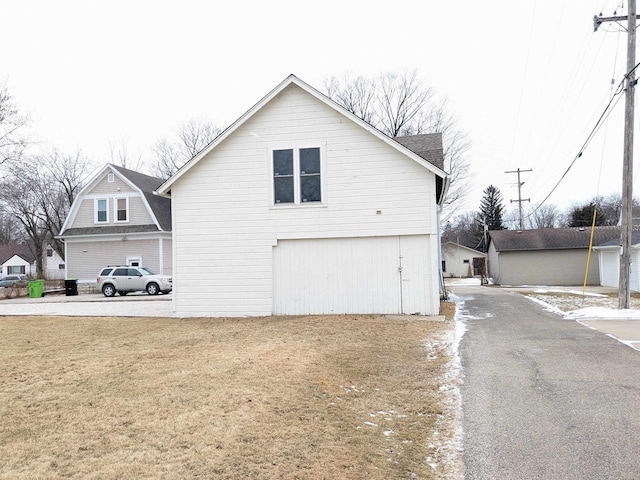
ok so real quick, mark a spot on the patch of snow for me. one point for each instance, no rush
(370, 424)
(547, 307)
(603, 313)
(388, 433)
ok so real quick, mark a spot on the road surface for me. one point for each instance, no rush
(544, 397)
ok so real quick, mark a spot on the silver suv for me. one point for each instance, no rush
(123, 279)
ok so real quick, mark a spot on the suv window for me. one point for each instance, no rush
(120, 272)
(135, 273)
(105, 272)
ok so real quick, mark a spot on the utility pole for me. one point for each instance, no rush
(520, 199)
(624, 295)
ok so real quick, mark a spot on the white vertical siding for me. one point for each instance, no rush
(333, 276)
(420, 289)
(225, 228)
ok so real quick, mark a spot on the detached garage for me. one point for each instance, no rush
(301, 207)
(545, 256)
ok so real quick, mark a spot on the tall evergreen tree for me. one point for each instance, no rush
(491, 208)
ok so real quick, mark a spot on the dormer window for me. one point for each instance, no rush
(122, 209)
(110, 178)
(101, 212)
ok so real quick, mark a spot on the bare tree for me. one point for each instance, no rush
(9, 228)
(399, 104)
(189, 140)
(122, 156)
(546, 216)
(21, 200)
(60, 180)
(13, 140)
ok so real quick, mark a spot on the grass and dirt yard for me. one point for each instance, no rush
(280, 397)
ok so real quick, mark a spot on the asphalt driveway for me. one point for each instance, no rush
(544, 397)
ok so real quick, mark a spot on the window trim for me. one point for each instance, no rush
(297, 177)
(96, 203)
(115, 209)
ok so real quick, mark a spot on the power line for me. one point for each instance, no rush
(607, 110)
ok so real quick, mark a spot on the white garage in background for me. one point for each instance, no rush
(609, 262)
(300, 207)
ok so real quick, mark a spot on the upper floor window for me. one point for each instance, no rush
(110, 178)
(297, 175)
(101, 210)
(122, 209)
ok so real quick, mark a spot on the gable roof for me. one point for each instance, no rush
(20, 249)
(550, 238)
(159, 207)
(427, 145)
(615, 242)
(457, 246)
(165, 188)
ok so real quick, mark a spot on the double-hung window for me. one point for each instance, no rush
(101, 210)
(122, 209)
(297, 176)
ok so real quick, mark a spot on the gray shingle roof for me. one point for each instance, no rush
(20, 249)
(110, 230)
(550, 238)
(427, 145)
(635, 240)
(160, 206)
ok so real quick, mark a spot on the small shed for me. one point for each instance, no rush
(609, 263)
(546, 256)
(461, 261)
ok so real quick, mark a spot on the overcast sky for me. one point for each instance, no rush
(526, 79)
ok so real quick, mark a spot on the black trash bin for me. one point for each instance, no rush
(71, 287)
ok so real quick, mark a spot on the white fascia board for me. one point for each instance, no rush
(165, 188)
(114, 236)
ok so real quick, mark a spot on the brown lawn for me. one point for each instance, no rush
(280, 397)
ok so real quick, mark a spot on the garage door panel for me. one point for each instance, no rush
(325, 276)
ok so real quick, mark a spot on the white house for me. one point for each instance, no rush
(300, 207)
(609, 262)
(117, 220)
(18, 258)
(461, 261)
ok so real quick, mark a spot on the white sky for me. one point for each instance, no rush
(526, 79)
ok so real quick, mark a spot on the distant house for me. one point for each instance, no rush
(609, 262)
(117, 220)
(300, 207)
(547, 256)
(18, 258)
(461, 261)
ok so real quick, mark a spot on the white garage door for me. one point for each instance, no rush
(352, 275)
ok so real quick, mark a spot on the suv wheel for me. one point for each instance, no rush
(153, 289)
(108, 290)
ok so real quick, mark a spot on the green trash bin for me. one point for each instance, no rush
(36, 288)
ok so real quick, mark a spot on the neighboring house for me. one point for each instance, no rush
(17, 258)
(546, 256)
(117, 220)
(609, 262)
(461, 261)
(300, 207)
